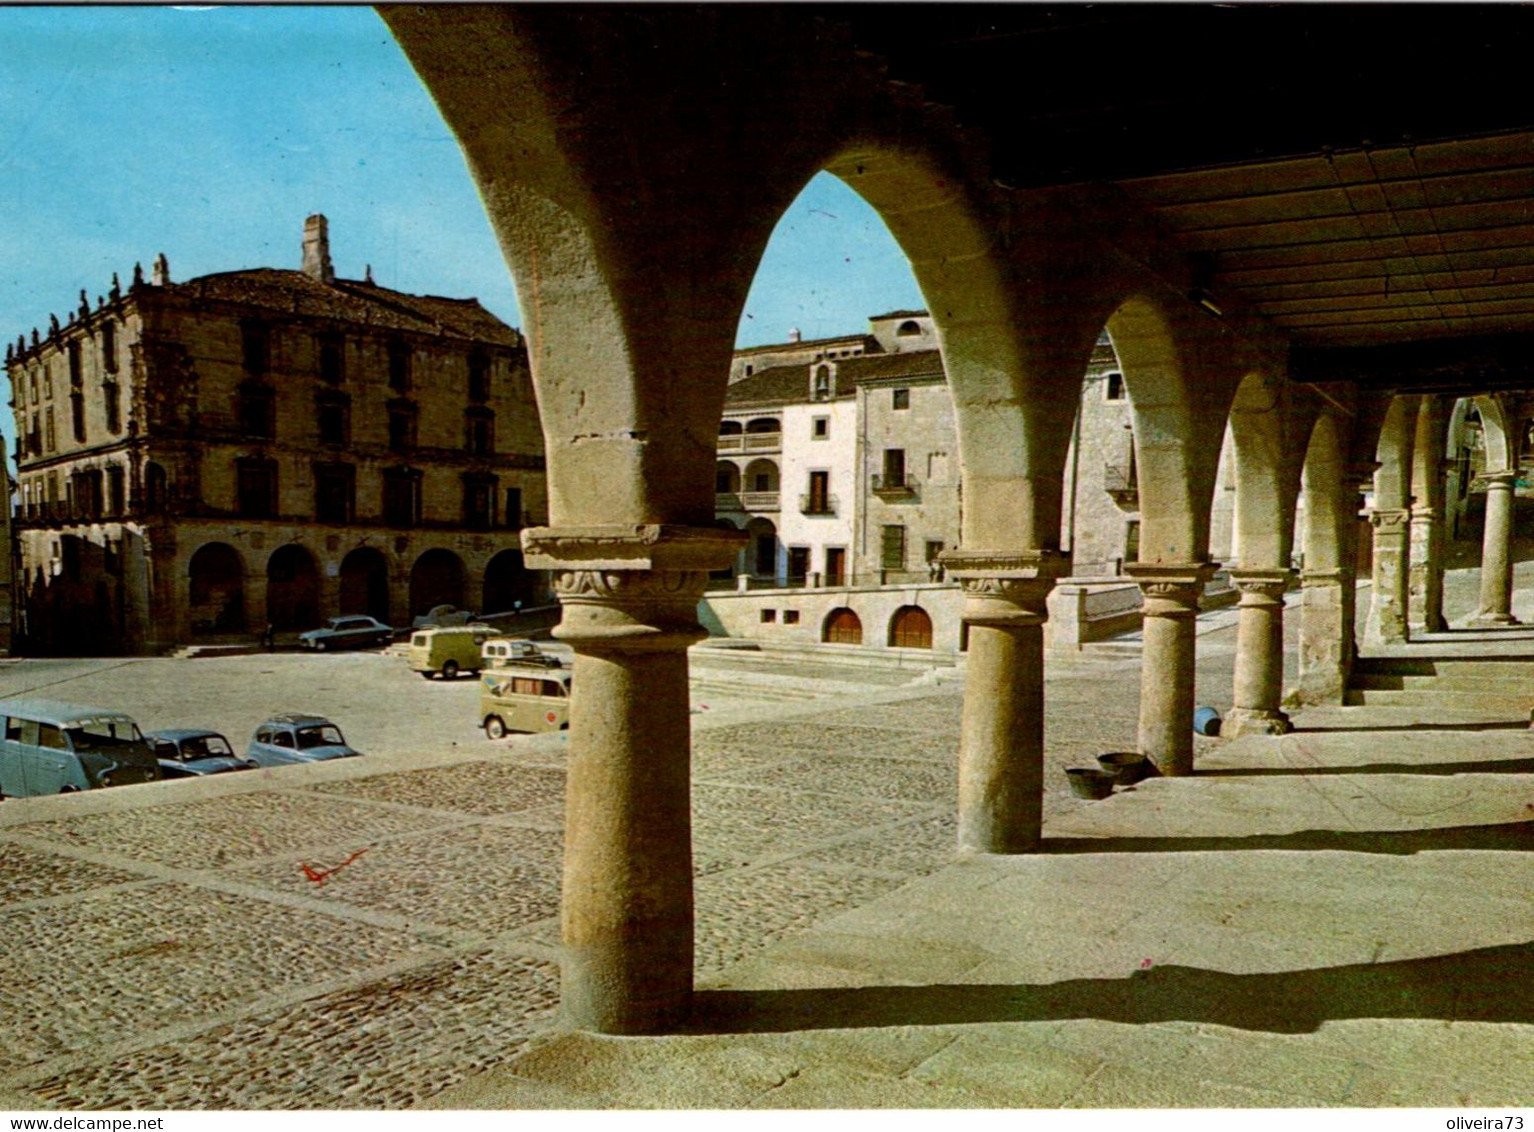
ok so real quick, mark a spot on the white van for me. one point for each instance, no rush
(447, 650)
(57, 748)
(526, 697)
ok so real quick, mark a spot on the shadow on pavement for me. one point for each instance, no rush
(1510, 836)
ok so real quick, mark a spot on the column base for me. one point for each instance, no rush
(1490, 620)
(1255, 721)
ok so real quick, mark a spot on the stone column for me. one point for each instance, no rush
(630, 597)
(1496, 552)
(1426, 611)
(1388, 620)
(1328, 600)
(1259, 685)
(1171, 593)
(1001, 750)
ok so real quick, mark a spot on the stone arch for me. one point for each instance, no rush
(762, 550)
(1179, 402)
(1270, 434)
(761, 474)
(759, 425)
(1331, 503)
(437, 578)
(910, 628)
(1390, 516)
(727, 479)
(730, 427)
(216, 589)
(365, 583)
(508, 583)
(842, 627)
(292, 588)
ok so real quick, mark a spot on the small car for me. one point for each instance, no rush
(439, 615)
(523, 698)
(189, 753)
(347, 633)
(293, 737)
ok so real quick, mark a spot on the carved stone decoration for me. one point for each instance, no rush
(1390, 520)
(630, 588)
(1171, 589)
(1261, 586)
(1005, 589)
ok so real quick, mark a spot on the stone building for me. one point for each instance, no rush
(199, 460)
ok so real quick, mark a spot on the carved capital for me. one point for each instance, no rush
(1495, 481)
(1262, 587)
(629, 588)
(1389, 519)
(1006, 590)
(1171, 589)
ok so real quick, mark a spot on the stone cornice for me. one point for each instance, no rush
(659, 546)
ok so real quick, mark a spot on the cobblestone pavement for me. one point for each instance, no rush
(169, 947)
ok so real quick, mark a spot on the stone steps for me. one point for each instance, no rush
(1510, 684)
(1507, 704)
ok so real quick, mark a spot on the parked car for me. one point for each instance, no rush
(523, 698)
(442, 615)
(501, 651)
(48, 747)
(293, 737)
(447, 649)
(189, 753)
(348, 633)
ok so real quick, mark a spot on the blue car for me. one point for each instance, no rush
(191, 752)
(296, 738)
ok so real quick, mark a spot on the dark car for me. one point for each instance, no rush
(190, 752)
(296, 738)
(442, 615)
(348, 633)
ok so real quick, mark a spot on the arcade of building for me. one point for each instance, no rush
(633, 177)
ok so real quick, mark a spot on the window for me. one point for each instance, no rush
(331, 413)
(332, 358)
(820, 494)
(900, 399)
(109, 346)
(908, 328)
(1113, 387)
(790, 617)
(402, 418)
(478, 503)
(820, 428)
(479, 432)
(76, 376)
(253, 344)
(798, 562)
(48, 436)
(334, 493)
(892, 547)
(116, 496)
(77, 414)
(513, 511)
(399, 367)
(750, 369)
(256, 486)
(934, 548)
(402, 497)
(894, 468)
(155, 488)
(479, 377)
(769, 616)
(113, 408)
(257, 410)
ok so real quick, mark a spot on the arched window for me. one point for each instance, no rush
(843, 627)
(911, 628)
(908, 328)
(729, 428)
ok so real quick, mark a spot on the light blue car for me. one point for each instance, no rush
(296, 738)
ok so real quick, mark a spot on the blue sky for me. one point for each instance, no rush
(210, 134)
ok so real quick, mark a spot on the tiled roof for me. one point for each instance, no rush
(351, 300)
(782, 385)
(810, 343)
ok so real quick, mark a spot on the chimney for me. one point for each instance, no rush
(794, 335)
(317, 250)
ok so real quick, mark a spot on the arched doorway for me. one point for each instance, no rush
(365, 583)
(843, 627)
(910, 628)
(216, 590)
(292, 589)
(762, 550)
(508, 583)
(436, 579)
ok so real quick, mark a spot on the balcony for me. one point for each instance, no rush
(751, 442)
(745, 501)
(893, 488)
(815, 504)
(1122, 485)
